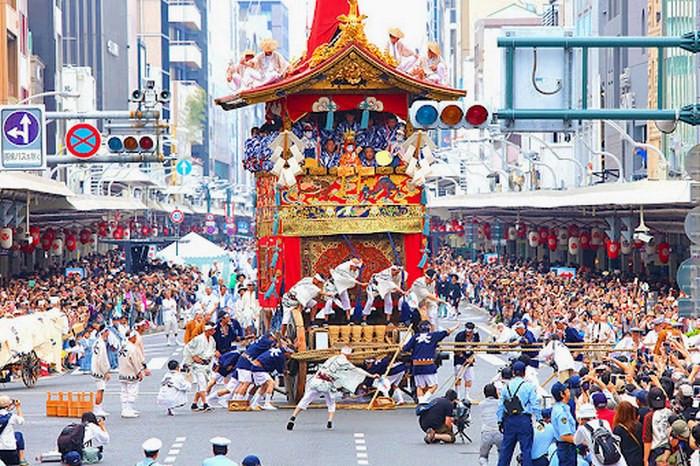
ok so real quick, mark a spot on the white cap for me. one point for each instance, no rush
(152, 444)
(220, 442)
(346, 350)
(586, 411)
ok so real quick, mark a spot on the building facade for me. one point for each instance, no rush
(15, 54)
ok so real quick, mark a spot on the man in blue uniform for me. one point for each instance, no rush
(516, 408)
(564, 425)
(544, 437)
(219, 446)
(244, 364)
(423, 349)
(526, 338)
(264, 368)
(151, 449)
(224, 369)
(464, 360)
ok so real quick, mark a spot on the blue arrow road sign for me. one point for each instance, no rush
(23, 143)
(184, 167)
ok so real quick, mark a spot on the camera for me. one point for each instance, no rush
(641, 234)
(461, 418)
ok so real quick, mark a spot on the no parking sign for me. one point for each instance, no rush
(177, 216)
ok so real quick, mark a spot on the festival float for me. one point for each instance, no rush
(320, 199)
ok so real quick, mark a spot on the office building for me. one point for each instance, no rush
(14, 51)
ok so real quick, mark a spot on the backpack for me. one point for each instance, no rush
(605, 446)
(513, 405)
(71, 438)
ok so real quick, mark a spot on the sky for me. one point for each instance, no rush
(382, 15)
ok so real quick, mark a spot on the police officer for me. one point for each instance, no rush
(219, 447)
(517, 406)
(151, 449)
(564, 425)
(543, 439)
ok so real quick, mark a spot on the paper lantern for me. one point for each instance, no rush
(84, 236)
(93, 240)
(51, 233)
(562, 236)
(596, 237)
(154, 231)
(145, 230)
(127, 233)
(57, 247)
(34, 232)
(613, 249)
(573, 230)
(574, 244)
(118, 233)
(166, 231)
(664, 251)
(522, 230)
(625, 247)
(102, 229)
(552, 242)
(585, 240)
(71, 242)
(46, 240)
(6, 238)
(533, 239)
(512, 233)
(544, 234)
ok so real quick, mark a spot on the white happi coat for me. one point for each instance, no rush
(439, 76)
(202, 347)
(403, 55)
(173, 390)
(420, 290)
(99, 364)
(271, 67)
(337, 374)
(247, 309)
(386, 282)
(131, 363)
(344, 278)
(305, 291)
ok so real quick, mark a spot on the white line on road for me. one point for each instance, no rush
(170, 459)
(157, 363)
(180, 439)
(360, 448)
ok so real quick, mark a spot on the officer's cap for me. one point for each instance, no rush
(220, 442)
(152, 445)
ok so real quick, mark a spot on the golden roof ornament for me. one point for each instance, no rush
(352, 30)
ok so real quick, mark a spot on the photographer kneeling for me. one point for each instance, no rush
(11, 442)
(435, 418)
(83, 443)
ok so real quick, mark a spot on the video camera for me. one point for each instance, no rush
(461, 418)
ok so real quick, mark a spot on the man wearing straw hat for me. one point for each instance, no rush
(434, 68)
(244, 75)
(335, 375)
(270, 63)
(407, 59)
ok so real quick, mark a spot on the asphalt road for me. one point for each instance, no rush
(359, 437)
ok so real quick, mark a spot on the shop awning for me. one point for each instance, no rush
(87, 203)
(19, 181)
(646, 193)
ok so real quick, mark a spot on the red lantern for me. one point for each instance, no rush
(664, 252)
(71, 242)
(35, 233)
(613, 249)
(46, 240)
(102, 229)
(51, 233)
(487, 230)
(544, 234)
(118, 233)
(166, 231)
(573, 230)
(84, 236)
(552, 242)
(585, 240)
(145, 230)
(521, 230)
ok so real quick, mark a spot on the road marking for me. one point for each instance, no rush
(173, 451)
(180, 439)
(360, 448)
(157, 363)
(170, 459)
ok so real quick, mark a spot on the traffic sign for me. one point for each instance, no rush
(692, 162)
(209, 218)
(177, 216)
(691, 225)
(23, 141)
(83, 140)
(184, 167)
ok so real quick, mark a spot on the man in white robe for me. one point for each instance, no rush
(199, 356)
(345, 277)
(271, 65)
(422, 296)
(407, 59)
(383, 284)
(304, 294)
(245, 74)
(99, 369)
(173, 389)
(434, 68)
(132, 370)
(333, 377)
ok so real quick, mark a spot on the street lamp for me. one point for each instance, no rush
(65, 94)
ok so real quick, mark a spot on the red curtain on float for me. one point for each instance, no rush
(413, 247)
(288, 265)
(291, 261)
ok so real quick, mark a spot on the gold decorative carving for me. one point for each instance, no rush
(353, 72)
(338, 226)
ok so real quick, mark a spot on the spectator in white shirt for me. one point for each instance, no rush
(96, 435)
(599, 331)
(588, 424)
(11, 442)
(170, 317)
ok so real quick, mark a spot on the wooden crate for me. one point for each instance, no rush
(69, 404)
(238, 405)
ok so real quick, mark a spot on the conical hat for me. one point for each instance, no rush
(434, 47)
(268, 45)
(396, 32)
(249, 53)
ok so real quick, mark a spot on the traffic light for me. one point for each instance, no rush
(131, 144)
(428, 114)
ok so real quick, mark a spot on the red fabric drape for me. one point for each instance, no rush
(413, 247)
(291, 261)
(299, 105)
(325, 22)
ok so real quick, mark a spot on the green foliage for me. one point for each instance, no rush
(196, 111)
